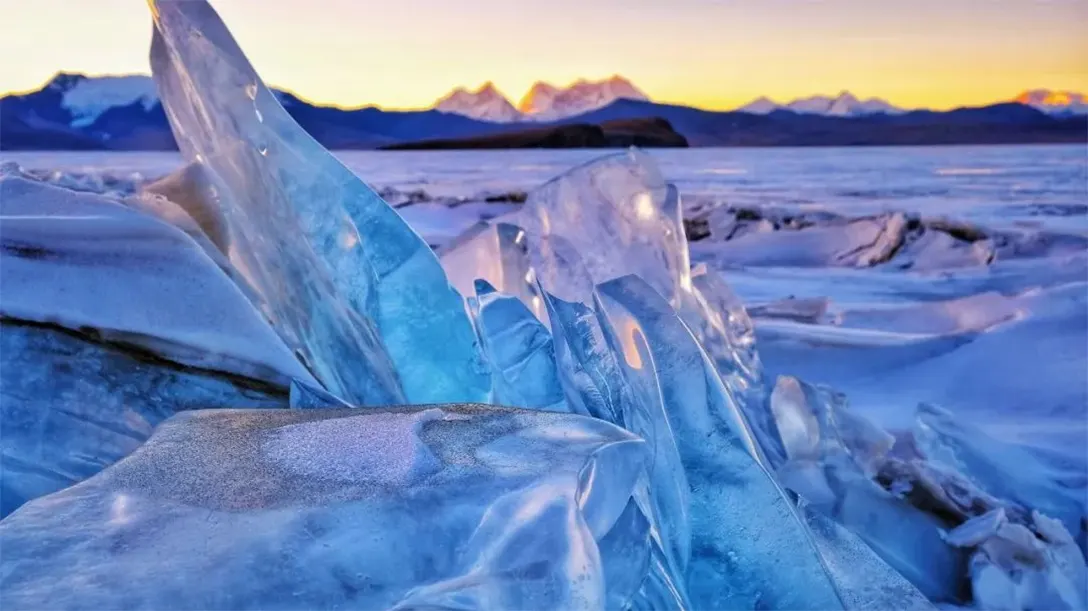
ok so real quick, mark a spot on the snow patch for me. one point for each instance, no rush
(88, 98)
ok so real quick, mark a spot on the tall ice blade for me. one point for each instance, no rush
(749, 547)
(339, 274)
(598, 383)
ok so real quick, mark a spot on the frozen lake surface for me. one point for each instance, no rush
(999, 337)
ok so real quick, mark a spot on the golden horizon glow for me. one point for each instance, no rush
(715, 55)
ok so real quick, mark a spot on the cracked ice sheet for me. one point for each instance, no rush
(341, 276)
(957, 339)
(503, 507)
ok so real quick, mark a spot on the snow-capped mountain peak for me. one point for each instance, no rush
(88, 97)
(539, 97)
(760, 106)
(486, 103)
(546, 102)
(543, 101)
(1055, 102)
(845, 104)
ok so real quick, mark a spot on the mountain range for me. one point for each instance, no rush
(73, 111)
(543, 102)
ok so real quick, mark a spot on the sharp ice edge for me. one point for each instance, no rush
(688, 512)
(361, 297)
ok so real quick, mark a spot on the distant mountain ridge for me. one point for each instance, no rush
(543, 102)
(1055, 102)
(75, 112)
(845, 104)
(485, 104)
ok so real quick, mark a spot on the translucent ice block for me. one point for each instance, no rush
(342, 278)
(519, 349)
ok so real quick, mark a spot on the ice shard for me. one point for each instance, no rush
(498, 254)
(112, 321)
(342, 278)
(1017, 567)
(815, 424)
(749, 547)
(519, 349)
(618, 213)
(502, 509)
(621, 218)
(718, 320)
(597, 383)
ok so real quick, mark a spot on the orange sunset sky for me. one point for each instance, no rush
(714, 54)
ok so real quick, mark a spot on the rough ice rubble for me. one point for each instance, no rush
(837, 459)
(832, 457)
(500, 509)
(112, 321)
(361, 287)
(888, 360)
(781, 237)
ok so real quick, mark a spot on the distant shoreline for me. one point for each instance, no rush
(601, 149)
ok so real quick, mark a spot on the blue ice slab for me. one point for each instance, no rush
(342, 278)
(71, 405)
(519, 349)
(450, 506)
(112, 321)
(863, 580)
(749, 548)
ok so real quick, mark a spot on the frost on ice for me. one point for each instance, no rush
(459, 506)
